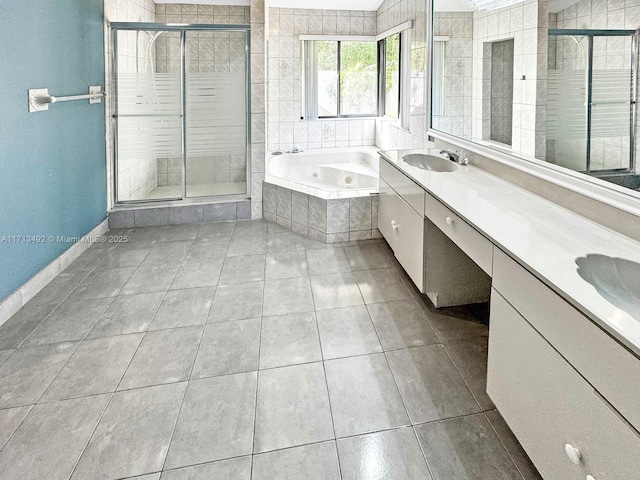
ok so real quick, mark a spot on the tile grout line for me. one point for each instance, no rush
(502, 443)
(108, 403)
(326, 381)
(255, 404)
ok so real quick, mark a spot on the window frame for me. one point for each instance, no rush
(309, 66)
(310, 95)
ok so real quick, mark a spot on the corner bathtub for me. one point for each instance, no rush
(326, 173)
(327, 194)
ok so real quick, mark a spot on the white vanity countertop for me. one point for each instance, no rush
(542, 236)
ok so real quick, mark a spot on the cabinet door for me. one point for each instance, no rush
(386, 204)
(403, 228)
(548, 405)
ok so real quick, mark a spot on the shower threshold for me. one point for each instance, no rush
(199, 190)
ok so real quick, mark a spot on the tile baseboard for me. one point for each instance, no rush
(14, 302)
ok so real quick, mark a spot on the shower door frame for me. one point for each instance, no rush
(114, 28)
(590, 34)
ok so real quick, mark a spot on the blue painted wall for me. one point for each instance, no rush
(52, 164)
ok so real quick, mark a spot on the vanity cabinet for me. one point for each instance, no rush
(403, 228)
(562, 384)
(432, 258)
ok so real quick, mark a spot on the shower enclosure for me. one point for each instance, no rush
(591, 100)
(180, 111)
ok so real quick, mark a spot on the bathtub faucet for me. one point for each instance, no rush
(295, 150)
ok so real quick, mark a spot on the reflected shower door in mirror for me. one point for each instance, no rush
(180, 111)
(540, 81)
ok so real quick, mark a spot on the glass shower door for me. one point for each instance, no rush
(216, 112)
(147, 109)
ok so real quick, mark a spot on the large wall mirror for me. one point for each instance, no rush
(549, 81)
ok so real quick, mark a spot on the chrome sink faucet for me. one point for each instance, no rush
(295, 150)
(460, 158)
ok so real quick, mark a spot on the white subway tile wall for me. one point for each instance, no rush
(285, 127)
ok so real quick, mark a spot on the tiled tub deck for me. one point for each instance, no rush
(327, 220)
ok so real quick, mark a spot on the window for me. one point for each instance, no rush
(346, 78)
(359, 77)
(392, 76)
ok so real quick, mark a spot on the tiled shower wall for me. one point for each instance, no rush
(389, 134)
(259, 18)
(501, 91)
(286, 129)
(458, 68)
(613, 53)
(206, 52)
(526, 23)
(137, 177)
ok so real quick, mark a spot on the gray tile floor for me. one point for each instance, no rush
(243, 351)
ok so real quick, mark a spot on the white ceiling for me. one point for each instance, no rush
(368, 5)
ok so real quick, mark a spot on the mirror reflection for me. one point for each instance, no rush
(555, 81)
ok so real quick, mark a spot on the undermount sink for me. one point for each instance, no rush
(615, 279)
(429, 162)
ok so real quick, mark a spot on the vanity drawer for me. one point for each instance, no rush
(602, 361)
(403, 228)
(477, 247)
(548, 405)
(410, 191)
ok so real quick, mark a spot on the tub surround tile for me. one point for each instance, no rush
(359, 213)
(283, 202)
(285, 222)
(300, 208)
(269, 198)
(300, 229)
(338, 215)
(318, 214)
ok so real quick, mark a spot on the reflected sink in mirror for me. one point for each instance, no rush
(617, 280)
(429, 162)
